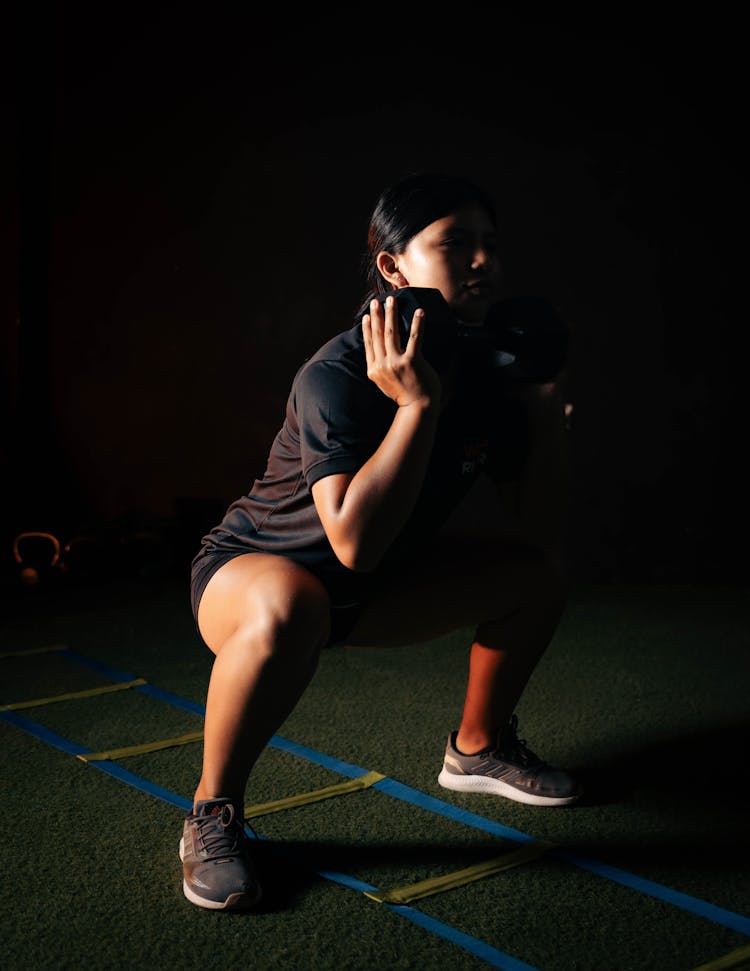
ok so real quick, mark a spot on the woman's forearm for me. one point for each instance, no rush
(382, 495)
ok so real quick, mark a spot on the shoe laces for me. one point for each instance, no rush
(514, 748)
(220, 833)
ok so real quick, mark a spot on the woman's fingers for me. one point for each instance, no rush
(377, 329)
(416, 335)
(391, 336)
(372, 336)
(385, 332)
(367, 339)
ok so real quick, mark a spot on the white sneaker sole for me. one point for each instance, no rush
(235, 901)
(496, 787)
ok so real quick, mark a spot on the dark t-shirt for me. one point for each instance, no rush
(336, 417)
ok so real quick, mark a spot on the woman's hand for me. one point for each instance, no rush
(402, 374)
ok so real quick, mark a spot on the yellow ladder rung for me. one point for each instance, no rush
(305, 798)
(88, 693)
(145, 748)
(34, 650)
(738, 960)
(426, 888)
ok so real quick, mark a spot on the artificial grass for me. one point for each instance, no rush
(643, 693)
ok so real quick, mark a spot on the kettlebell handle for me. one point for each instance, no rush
(39, 535)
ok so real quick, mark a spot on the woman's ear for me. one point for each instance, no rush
(388, 267)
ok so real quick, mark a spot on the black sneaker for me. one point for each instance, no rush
(217, 870)
(510, 769)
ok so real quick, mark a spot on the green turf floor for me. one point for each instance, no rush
(643, 693)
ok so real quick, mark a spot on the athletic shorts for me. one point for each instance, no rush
(344, 612)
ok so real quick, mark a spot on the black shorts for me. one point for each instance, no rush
(344, 610)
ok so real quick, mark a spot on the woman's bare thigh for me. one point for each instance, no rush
(455, 582)
(255, 587)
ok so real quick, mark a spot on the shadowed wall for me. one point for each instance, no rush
(193, 204)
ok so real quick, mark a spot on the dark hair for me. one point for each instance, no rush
(404, 208)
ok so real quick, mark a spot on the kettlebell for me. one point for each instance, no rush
(35, 559)
(441, 333)
(523, 339)
(528, 338)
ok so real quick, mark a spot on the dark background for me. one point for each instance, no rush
(189, 193)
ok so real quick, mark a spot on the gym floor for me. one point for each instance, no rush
(643, 693)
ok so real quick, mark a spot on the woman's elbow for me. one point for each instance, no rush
(355, 556)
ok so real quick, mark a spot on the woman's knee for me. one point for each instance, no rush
(520, 576)
(546, 586)
(292, 626)
(275, 606)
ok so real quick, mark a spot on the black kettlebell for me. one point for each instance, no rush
(523, 339)
(441, 333)
(529, 339)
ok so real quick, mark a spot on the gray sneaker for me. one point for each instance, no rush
(510, 769)
(217, 870)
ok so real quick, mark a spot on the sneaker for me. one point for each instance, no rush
(511, 770)
(218, 873)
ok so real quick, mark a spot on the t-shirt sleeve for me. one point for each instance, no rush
(335, 419)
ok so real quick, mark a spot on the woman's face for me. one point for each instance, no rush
(456, 255)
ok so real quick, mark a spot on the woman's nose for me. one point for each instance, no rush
(482, 258)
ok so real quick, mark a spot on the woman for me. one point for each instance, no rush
(340, 541)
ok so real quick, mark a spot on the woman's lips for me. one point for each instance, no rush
(478, 289)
